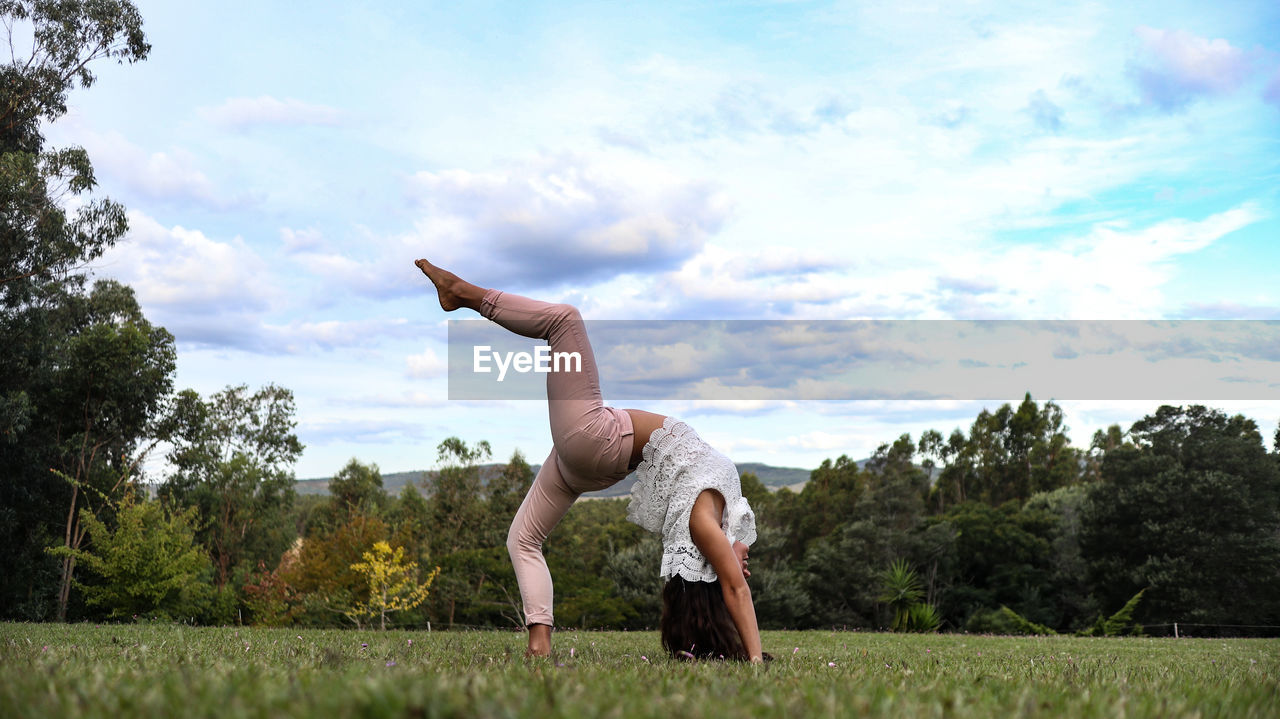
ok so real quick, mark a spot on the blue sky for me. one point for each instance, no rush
(284, 164)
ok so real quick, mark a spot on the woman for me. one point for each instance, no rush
(685, 490)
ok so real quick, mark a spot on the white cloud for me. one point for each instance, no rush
(742, 110)
(302, 336)
(415, 400)
(1180, 66)
(242, 113)
(426, 365)
(391, 274)
(305, 240)
(216, 293)
(172, 175)
(722, 281)
(567, 219)
(175, 269)
(1114, 272)
(541, 223)
(360, 431)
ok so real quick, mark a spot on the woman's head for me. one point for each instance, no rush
(696, 622)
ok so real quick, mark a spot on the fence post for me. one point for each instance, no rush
(1175, 630)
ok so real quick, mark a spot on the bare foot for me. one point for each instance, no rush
(452, 291)
(539, 641)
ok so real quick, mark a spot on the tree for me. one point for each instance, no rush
(40, 242)
(958, 470)
(106, 391)
(756, 494)
(1067, 589)
(1190, 510)
(358, 488)
(50, 228)
(1011, 453)
(232, 457)
(897, 487)
(631, 569)
(931, 447)
(355, 490)
(470, 519)
(1102, 443)
(840, 570)
(410, 518)
(269, 597)
(503, 496)
(149, 564)
(457, 510)
(578, 552)
(393, 584)
(1119, 623)
(777, 589)
(826, 502)
(477, 587)
(320, 572)
(1002, 556)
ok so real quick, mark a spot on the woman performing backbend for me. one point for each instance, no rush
(684, 489)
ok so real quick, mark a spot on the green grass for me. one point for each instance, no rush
(49, 670)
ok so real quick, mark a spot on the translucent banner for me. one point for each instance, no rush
(889, 359)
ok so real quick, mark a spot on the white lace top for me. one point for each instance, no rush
(677, 466)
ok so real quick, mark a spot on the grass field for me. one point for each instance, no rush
(49, 670)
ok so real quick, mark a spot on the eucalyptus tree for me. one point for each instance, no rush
(51, 226)
(233, 457)
(457, 505)
(43, 243)
(1011, 453)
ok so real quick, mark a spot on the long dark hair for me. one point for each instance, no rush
(696, 622)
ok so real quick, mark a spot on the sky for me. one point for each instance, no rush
(284, 164)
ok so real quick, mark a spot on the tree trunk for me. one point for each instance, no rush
(64, 592)
(68, 562)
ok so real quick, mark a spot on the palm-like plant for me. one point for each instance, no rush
(923, 618)
(901, 591)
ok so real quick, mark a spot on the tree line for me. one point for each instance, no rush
(1004, 527)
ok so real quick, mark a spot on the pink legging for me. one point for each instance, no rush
(591, 442)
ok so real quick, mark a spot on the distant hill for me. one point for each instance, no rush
(773, 478)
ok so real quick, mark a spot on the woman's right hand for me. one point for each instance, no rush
(740, 550)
